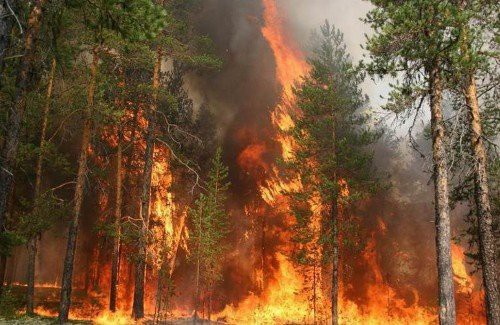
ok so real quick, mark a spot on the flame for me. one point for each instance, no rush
(290, 63)
(383, 304)
(469, 293)
(462, 277)
(284, 300)
(281, 297)
(282, 303)
(118, 318)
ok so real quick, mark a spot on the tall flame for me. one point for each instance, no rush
(284, 299)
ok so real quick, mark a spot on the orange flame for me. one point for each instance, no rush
(284, 300)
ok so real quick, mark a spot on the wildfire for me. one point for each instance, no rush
(284, 300)
(282, 297)
(118, 318)
(462, 277)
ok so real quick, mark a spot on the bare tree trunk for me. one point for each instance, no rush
(335, 231)
(23, 82)
(314, 291)
(487, 244)
(115, 259)
(335, 262)
(198, 273)
(443, 228)
(3, 269)
(158, 304)
(67, 276)
(175, 246)
(33, 241)
(140, 271)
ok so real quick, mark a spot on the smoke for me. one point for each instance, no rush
(241, 96)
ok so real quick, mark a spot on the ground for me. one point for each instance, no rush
(34, 320)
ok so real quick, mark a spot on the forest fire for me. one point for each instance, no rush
(284, 300)
(276, 214)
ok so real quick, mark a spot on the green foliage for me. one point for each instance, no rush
(135, 20)
(9, 240)
(10, 304)
(460, 38)
(409, 38)
(210, 224)
(41, 214)
(182, 42)
(332, 139)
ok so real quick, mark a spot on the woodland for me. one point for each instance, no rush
(202, 161)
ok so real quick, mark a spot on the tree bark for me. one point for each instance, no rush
(117, 224)
(335, 263)
(140, 270)
(67, 277)
(115, 257)
(33, 241)
(176, 244)
(3, 269)
(487, 244)
(6, 24)
(23, 82)
(197, 292)
(335, 231)
(442, 208)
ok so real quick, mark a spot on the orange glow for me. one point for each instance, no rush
(284, 299)
(462, 277)
(118, 318)
(283, 293)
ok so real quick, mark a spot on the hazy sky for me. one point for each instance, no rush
(345, 15)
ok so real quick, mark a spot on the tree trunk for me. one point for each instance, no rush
(33, 241)
(442, 208)
(23, 82)
(335, 231)
(3, 269)
(176, 244)
(197, 292)
(335, 262)
(140, 271)
(487, 244)
(79, 193)
(6, 23)
(115, 259)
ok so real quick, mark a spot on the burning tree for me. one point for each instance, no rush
(109, 19)
(331, 157)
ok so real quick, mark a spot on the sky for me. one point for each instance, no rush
(345, 15)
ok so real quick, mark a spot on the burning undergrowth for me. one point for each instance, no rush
(389, 278)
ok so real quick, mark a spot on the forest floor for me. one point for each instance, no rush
(40, 320)
(47, 298)
(35, 320)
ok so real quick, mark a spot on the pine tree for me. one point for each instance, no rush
(209, 226)
(180, 43)
(129, 23)
(475, 21)
(409, 42)
(331, 158)
(24, 82)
